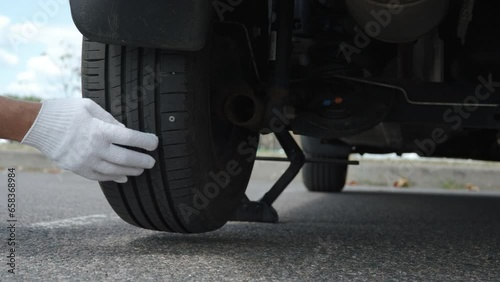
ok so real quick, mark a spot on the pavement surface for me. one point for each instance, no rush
(67, 232)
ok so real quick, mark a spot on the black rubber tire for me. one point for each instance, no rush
(168, 94)
(324, 177)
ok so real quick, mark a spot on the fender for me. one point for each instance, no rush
(180, 25)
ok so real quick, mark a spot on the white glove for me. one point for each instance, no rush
(79, 136)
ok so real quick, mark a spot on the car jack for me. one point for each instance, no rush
(262, 210)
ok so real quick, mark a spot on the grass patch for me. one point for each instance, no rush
(451, 185)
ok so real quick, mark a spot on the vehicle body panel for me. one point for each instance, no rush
(170, 24)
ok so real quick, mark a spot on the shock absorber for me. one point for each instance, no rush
(281, 34)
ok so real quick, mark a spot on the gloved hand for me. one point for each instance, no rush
(80, 136)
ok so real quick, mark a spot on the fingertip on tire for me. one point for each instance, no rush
(152, 163)
(155, 141)
(122, 180)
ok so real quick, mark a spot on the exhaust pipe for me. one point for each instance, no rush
(245, 110)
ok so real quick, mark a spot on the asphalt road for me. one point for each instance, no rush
(66, 231)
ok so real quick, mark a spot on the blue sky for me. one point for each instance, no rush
(33, 36)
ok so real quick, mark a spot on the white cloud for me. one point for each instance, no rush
(43, 78)
(8, 58)
(14, 35)
(33, 81)
(28, 88)
(4, 24)
(4, 21)
(42, 75)
(43, 65)
(68, 34)
(50, 36)
(26, 76)
(41, 72)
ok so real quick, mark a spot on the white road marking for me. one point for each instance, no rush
(76, 221)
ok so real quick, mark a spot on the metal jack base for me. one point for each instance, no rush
(262, 210)
(255, 212)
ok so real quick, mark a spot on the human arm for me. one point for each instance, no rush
(79, 136)
(16, 118)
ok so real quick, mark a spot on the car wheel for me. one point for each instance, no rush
(324, 177)
(203, 163)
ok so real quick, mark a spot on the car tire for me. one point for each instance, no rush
(324, 177)
(203, 164)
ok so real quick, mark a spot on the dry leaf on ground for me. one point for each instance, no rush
(472, 188)
(402, 183)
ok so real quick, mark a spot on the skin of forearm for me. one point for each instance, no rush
(16, 118)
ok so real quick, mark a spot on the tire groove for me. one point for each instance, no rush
(106, 78)
(150, 120)
(129, 91)
(123, 109)
(147, 175)
(158, 55)
(107, 104)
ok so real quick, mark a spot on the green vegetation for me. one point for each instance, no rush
(28, 98)
(451, 185)
(367, 182)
